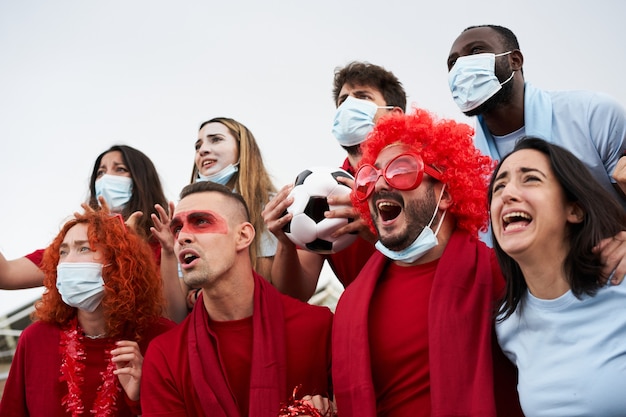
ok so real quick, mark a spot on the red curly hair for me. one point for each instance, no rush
(446, 145)
(133, 292)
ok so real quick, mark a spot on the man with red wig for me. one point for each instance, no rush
(413, 333)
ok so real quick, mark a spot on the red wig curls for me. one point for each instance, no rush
(446, 145)
(133, 293)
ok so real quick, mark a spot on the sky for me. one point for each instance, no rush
(79, 76)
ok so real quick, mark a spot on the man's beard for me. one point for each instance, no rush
(502, 97)
(418, 214)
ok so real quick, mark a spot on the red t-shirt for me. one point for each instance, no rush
(235, 346)
(398, 339)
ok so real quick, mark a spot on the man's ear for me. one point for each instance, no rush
(246, 235)
(446, 198)
(396, 111)
(516, 59)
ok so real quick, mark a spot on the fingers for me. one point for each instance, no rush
(133, 219)
(274, 214)
(127, 358)
(612, 253)
(323, 404)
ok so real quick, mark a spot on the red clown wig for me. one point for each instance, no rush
(133, 293)
(446, 145)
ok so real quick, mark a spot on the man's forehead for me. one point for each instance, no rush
(475, 36)
(348, 88)
(390, 151)
(209, 201)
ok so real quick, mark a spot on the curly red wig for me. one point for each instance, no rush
(133, 297)
(446, 145)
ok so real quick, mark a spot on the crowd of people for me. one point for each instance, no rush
(488, 262)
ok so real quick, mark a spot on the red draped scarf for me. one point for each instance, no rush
(460, 334)
(269, 370)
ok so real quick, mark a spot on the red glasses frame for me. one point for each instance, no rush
(372, 174)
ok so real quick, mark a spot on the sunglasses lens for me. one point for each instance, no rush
(405, 172)
(364, 181)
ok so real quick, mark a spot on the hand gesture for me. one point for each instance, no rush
(128, 360)
(161, 228)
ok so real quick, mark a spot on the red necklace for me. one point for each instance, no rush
(72, 369)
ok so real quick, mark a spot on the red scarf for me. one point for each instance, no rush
(460, 335)
(268, 377)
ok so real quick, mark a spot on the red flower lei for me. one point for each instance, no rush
(72, 368)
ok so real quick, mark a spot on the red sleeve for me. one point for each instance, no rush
(13, 401)
(36, 257)
(166, 386)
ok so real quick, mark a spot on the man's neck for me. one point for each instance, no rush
(231, 301)
(507, 117)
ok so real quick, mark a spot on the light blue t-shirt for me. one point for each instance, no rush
(570, 353)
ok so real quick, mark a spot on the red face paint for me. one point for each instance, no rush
(198, 221)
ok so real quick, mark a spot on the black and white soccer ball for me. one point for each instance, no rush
(308, 228)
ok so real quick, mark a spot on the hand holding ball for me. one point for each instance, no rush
(308, 228)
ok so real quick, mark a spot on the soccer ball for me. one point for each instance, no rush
(308, 228)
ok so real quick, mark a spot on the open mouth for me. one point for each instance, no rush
(516, 220)
(188, 258)
(388, 210)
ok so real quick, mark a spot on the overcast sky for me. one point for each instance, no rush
(79, 76)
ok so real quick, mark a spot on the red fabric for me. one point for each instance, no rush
(465, 287)
(174, 384)
(347, 263)
(33, 387)
(234, 341)
(399, 340)
(36, 257)
(155, 245)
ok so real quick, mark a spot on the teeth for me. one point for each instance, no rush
(508, 217)
(385, 205)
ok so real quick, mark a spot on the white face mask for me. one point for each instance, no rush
(473, 80)
(222, 176)
(354, 119)
(117, 190)
(80, 284)
(426, 240)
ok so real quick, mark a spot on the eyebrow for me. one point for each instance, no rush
(523, 170)
(74, 243)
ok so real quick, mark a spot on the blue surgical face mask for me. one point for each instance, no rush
(354, 119)
(80, 284)
(473, 80)
(426, 240)
(222, 176)
(117, 190)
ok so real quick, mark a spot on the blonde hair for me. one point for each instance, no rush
(252, 180)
